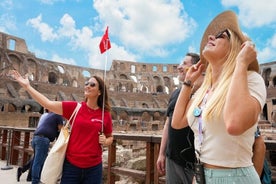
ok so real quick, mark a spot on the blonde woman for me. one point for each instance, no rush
(225, 110)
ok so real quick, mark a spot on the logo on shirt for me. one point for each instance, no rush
(96, 120)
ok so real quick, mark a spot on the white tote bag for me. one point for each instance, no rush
(52, 168)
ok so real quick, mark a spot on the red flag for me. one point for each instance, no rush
(105, 42)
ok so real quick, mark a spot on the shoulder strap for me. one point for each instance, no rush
(73, 116)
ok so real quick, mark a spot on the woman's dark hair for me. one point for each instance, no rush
(103, 96)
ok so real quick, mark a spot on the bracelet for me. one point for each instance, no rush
(188, 83)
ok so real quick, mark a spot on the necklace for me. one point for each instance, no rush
(198, 110)
(91, 109)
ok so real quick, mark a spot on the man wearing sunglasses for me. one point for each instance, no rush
(176, 155)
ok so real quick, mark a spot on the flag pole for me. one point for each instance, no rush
(106, 45)
(104, 85)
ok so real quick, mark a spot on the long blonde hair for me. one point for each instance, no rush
(215, 105)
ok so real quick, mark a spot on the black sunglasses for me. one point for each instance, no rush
(91, 84)
(221, 35)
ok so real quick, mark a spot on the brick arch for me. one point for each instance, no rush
(274, 81)
(159, 89)
(124, 116)
(52, 78)
(11, 107)
(32, 68)
(16, 61)
(113, 115)
(146, 117)
(156, 116)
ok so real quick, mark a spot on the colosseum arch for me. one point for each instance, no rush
(156, 116)
(146, 117)
(2, 107)
(113, 115)
(32, 69)
(15, 60)
(167, 81)
(123, 76)
(159, 89)
(123, 117)
(266, 76)
(26, 108)
(144, 89)
(75, 83)
(86, 74)
(52, 77)
(129, 87)
(157, 80)
(11, 107)
(66, 82)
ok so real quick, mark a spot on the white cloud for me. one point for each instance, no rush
(7, 22)
(47, 33)
(59, 59)
(273, 41)
(79, 39)
(254, 13)
(67, 26)
(6, 4)
(268, 53)
(146, 26)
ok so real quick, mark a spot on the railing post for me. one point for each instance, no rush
(16, 137)
(25, 146)
(7, 167)
(156, 153)
(111, 162)
(149, 163)
(4, 143)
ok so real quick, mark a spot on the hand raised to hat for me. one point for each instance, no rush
(247, 55)
(194, 72)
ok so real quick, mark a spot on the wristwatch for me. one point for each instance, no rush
(188, 83)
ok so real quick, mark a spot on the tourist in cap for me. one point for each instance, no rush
(225, 110)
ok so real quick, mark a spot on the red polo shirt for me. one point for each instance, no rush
(83, 148)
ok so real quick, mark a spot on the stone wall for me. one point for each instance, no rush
(139, 92)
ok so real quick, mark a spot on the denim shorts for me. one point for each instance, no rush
(241, 175)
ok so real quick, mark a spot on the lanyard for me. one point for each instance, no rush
(198, 113)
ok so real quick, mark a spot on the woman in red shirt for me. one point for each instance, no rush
(92, 128)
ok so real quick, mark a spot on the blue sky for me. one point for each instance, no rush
(148, 31)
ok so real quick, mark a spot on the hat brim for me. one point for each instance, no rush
(225, 20)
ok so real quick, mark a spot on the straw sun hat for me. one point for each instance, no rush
(225, 20)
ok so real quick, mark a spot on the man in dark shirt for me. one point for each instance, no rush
(176, 155)
(47, 130)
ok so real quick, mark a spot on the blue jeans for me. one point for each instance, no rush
(74, 175)
(41, 147)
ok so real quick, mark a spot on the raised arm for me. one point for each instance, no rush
(241, 110)
(179, 119)
(53, 106)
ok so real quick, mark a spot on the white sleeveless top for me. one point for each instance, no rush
(222, 149)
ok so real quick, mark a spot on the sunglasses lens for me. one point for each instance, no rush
(221, 35)
(91, 84)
